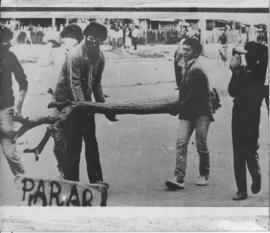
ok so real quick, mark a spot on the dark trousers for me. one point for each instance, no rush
(81, 127)
(134, 42)
(245, 133)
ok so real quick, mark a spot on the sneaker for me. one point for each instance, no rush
(240, 196)
(202, 181)
(174, 183)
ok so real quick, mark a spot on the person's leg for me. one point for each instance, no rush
(202, 126)
(185, 130)
(91, 151)
(239, 154)
(255, 172)
(252, 157)
(7, 143)
(239, 159)
(135, 43)
(60, 149)
(71, 160)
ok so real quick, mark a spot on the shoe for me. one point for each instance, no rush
(240, 196)
(202, 181)
(174, 183)
(256, 185)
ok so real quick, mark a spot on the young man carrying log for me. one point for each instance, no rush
(80, 78)
(9, 65)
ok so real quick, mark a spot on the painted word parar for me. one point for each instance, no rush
(46, 192)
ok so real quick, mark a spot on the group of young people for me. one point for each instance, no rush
(80, 79)
(196, 112)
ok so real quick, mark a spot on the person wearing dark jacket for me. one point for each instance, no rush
(195, 113)
(9, 65)
(80, 78)
(71, 35)
(247, 88)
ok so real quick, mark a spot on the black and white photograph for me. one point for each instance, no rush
(134, 115)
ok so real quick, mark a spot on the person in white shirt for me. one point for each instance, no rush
(135, 34)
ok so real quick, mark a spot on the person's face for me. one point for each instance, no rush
(188, 52)
(93, 47)
(69, 42)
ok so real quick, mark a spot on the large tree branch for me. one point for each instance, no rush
(57, 121)
(165, 105)
(28, 124)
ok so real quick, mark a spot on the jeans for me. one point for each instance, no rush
(8, 144)
(186, 127)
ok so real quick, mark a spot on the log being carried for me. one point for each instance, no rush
(158, 106)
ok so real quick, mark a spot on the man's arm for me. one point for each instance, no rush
(97, 87)
(97, 74)
(74, 76)
(234, 87)
(177, 68)
(18, 108)
(22, 82)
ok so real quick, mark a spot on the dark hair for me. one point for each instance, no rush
(96, 30)
(194, 44)
(72, 31)
(259, 51)
(5, 34)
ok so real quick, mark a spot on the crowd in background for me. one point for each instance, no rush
(123, 35)
(126, 34)
(120, 35)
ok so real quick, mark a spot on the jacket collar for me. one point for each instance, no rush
(190, 62)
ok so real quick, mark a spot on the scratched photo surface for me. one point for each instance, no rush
(138, 151)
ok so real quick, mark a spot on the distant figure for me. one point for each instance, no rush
(223, 40)
(135, 33)
(128, 38)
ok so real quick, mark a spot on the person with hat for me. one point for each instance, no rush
(246, 87)
(9, 64)
(80, 78)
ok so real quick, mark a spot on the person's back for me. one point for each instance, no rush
(223, 39)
